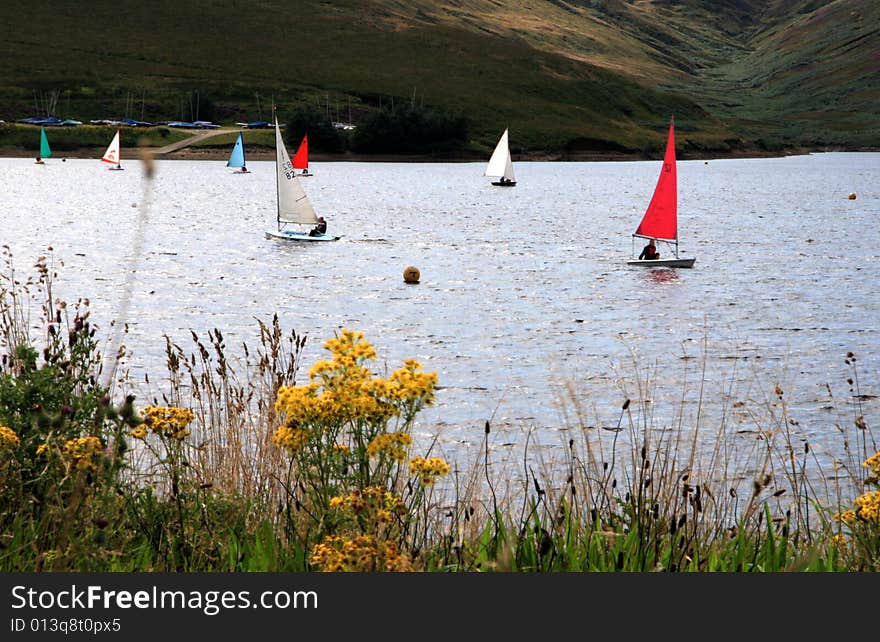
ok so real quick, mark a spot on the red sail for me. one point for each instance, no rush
(301, 158)
(661, 218)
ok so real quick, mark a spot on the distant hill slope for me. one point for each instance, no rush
(564, 75)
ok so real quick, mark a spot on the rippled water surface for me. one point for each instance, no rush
(526, 308)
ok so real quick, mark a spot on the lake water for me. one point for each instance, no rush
(526, 308)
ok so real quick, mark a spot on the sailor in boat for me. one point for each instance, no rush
(649, 251)
(320, 228)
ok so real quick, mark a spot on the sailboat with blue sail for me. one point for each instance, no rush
(236, 158)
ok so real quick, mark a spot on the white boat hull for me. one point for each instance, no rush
(290, 235)
(682, 263)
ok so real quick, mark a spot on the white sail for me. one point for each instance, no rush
(500, 163)
(293, 204)
(508, 168)
(112, 154)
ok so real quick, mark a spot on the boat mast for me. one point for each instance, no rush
(277, 174)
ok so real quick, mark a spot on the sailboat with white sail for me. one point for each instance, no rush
(660, 222)
(236, 157)
(293, 205)
(500, 164)
(111, 156)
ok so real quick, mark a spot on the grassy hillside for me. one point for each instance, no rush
(563, 75)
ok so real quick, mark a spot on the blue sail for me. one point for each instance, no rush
(236, 158)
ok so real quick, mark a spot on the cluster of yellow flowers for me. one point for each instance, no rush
(409, 383)
(166, 421)
(300, 403)
(392, 444)
(8, 437)
(373, 500)
(841, 542)
(291, 439)
(428, 470)
(343, 390)
(82, 451)
(867, 506)
(363, 553)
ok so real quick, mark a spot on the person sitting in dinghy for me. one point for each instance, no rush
(320, 228)
(649, 251)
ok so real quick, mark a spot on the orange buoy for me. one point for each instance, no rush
(411, 274)
(852, 196)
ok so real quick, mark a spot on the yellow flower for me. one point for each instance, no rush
(299, 403)
(410, 385)
(168, 421)
(868, 507)
(393, 444)
(362, 553)
(8, 437)
(371, 500)
(291, 439)
(337, 502)
(42, 448)
(428, 470)
(81, 452)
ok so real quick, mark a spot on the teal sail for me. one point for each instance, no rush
(45, 152)
(236, 158)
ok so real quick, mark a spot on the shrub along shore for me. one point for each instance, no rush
(253, 461)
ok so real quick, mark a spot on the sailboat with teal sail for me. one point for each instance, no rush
(45, 150)
(236, 158)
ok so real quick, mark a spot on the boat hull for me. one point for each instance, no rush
(290, 235)
(682, 263)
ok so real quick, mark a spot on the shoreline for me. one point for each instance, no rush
(269, 154)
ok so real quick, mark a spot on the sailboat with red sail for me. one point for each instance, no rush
(301, 158)
(660, 222)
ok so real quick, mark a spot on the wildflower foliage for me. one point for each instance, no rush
(348, 433)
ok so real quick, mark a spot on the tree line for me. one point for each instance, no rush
(402, 130)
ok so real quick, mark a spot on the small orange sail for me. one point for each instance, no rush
(301, 158)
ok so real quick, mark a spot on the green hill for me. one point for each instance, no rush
(564, 76)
